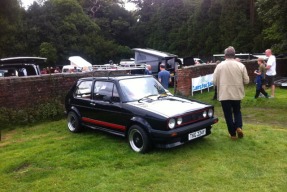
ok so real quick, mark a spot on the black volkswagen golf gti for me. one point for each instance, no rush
(138, 108)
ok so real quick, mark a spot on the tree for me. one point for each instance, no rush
(63, 24)
(198, 27)
(275, 23)
(115, 22)
(10, 28)
(49, 51)
(235, 25)
(161, 25)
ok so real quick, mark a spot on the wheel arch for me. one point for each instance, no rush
(74, 109)
(140, 122)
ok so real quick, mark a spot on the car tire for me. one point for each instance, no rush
(138, 139)
(74, 124)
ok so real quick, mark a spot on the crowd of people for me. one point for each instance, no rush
(164, 76)
(49, 70)
(265, 75)
(229, 78)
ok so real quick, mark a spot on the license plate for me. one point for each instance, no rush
(196, 134)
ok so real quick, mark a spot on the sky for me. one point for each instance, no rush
(27, 3)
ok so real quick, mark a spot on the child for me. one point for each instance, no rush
(260, 78)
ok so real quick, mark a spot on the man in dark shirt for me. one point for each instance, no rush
(164, 76)
(148, 70)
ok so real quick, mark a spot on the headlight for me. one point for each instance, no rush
(171, 123)
(179, 120)
(204, 114)
(210, 113)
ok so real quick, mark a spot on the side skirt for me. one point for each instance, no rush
(104, 130)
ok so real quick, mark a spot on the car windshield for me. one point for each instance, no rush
(139, 88)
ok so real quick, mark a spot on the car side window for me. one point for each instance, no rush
(115, 96)
(84, 89)
(103, 88)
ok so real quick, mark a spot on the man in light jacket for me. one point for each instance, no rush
(229, 77)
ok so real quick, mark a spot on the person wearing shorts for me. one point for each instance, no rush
(271, 71)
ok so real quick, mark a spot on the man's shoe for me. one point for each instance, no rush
(233, 137)
(261, 95)
(239, 132)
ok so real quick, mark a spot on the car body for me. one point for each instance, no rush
(154, 58)
(191, 61)
(3, 72)
(198, 61)
(77, 64)
(139, 108)
(71, 69)
(240, 56)
(128, 62)
(21, 66)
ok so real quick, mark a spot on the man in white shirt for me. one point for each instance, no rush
(23, 72)
(271, 71)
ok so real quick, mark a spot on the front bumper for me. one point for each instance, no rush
(179, 136)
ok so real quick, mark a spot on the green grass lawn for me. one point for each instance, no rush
(47, 157)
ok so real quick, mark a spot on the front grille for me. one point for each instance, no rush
(192, 117)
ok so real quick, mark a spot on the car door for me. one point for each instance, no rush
(82, 97)
(106, 107)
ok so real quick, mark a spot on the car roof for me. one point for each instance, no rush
(31, 60)
(117, 77)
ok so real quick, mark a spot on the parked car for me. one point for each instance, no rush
(71, 69)
(3, 72)
(154, 58)
(128, 62)
(138, 108)
(21, 66)
(191, 61)
(198, 61)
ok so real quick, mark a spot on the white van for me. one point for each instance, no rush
(71, 69)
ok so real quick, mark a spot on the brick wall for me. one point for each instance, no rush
(184, 75)
(25, 92)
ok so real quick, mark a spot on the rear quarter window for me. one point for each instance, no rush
(84, 90)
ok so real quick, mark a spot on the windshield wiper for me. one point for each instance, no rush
(147, 97)
(162, 96)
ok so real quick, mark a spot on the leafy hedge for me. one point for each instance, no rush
(48, 111)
